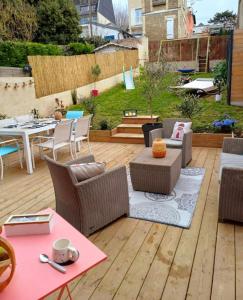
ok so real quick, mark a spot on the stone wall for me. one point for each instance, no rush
(155, 25)
(21, 100)
(12, 72)
(173, 4)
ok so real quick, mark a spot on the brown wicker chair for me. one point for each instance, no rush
(231, 181)
(166, 132)
(91, 204)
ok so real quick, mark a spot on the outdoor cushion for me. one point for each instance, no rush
(173, 143)
(229, 160)
(74, 114)
(7, 150)
(179, 129)
(88, 170)
(186, 125)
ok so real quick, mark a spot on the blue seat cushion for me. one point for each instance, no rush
(7, 150)
(74, 114)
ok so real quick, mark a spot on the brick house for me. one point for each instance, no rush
(160, 19)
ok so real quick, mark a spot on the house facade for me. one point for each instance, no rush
(160, 19)
(94, 16)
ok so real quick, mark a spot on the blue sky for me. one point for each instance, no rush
(205, 9)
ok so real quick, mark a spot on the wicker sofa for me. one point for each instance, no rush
(231, 181)
(93, 203)
(166, 132)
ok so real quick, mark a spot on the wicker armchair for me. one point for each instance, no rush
(231, 179)
(91, 204)
(166, 132)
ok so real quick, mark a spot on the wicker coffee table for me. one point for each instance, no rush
(156, 175)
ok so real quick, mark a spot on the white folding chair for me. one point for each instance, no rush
(81, 132)
(61, 138)
(7, 147)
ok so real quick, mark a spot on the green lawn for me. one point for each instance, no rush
(110, 106)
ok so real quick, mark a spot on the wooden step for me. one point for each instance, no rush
(140, 119)
(130, 128)
(127, 138)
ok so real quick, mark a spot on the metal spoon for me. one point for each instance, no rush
(45, 259)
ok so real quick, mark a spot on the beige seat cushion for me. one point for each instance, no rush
(230, 161)
(88, 170)
(173, 143)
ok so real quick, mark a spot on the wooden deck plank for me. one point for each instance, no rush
(202, 271)
(155, 280)
(90, 281)
(177, 283)
(130, 286)
(239, 261)
(197, 263)
(224, 269)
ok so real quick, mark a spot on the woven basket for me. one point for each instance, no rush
(7, 263)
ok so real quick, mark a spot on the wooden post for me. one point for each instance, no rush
(180, 50)
(207, 55)
(160, 48)
(197, 52)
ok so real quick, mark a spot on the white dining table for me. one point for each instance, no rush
(25, 133)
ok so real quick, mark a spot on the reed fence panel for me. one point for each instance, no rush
(55, 74)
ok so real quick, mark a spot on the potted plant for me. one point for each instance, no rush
(60, 110)
(220, 78)
(218, 83)
(95, 71)
(151, 86)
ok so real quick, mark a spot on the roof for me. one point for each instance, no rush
(114, 45)
(105, 8)
(130, 42)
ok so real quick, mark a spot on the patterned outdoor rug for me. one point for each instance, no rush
(174, 209)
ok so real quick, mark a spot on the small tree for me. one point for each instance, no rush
(226, 18)
(152, 83)
(189, 106)
(17, 20)
(95, 72)
(58, 22)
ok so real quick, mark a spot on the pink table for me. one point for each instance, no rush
(35, 280)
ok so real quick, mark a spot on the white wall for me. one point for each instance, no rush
(22, 100)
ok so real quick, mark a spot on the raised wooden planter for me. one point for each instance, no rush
(100, 135)
(210, 140)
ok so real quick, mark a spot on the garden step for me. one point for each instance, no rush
(129, 128)
(128, 138)
(140, 119)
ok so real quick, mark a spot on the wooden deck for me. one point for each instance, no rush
(147, 260)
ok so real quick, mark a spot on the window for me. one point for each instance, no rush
(84, 21)
(84, 9)
(136, 16)
(170, 28)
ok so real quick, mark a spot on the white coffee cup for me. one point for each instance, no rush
(63, 251)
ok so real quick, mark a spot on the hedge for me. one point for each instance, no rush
(80, 48)
(14, 54)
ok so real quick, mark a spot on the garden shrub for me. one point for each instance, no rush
(189, 106)
(80, 48)
(14, 54)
